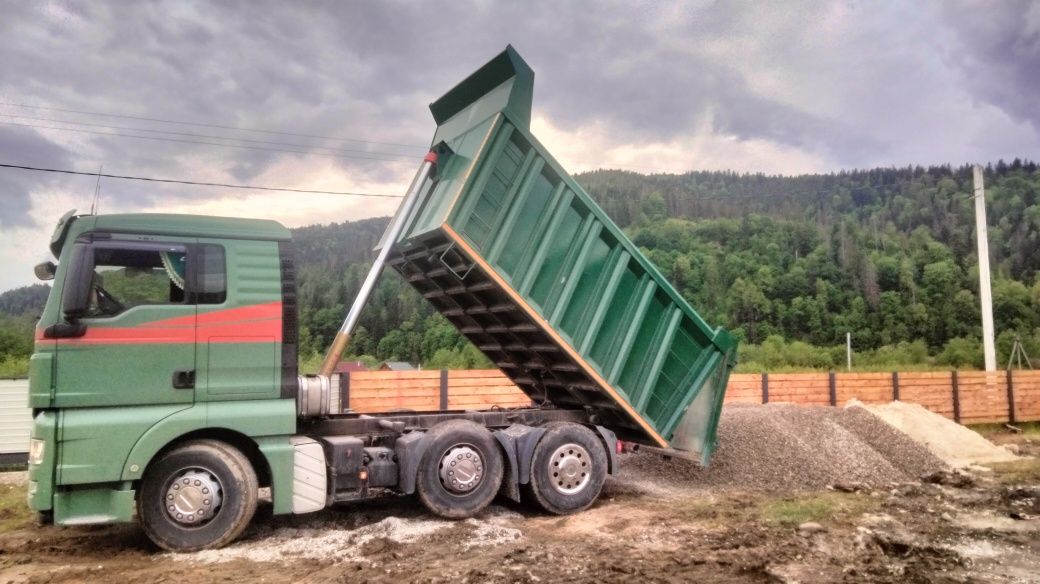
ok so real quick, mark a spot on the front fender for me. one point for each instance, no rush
(261, 420)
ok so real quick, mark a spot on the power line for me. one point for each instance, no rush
(195, 183)
(210, 136)
(242, 146)
(688, 196)
(204, 125)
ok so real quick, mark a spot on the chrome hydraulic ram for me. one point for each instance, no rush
(342, 339)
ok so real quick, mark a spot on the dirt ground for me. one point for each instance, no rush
(980, 526)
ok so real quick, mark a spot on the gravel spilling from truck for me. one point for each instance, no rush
(787, 447)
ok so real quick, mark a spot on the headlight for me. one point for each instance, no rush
(36, 448)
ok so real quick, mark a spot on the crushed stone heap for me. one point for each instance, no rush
(784, 447)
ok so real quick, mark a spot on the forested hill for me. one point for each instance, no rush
(886, 254)
(790, 263)
(880, 202)
(27, 300)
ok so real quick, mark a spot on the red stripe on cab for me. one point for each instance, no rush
(231, 325)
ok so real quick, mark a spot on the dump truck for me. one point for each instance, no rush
(165, 386)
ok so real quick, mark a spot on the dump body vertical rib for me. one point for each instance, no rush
(663, 348)
(608, 294)
(634, 324)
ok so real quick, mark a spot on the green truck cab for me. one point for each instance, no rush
(160, 329)
(164, 382)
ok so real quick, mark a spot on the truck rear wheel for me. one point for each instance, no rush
(461, 470)
(201, 494)
(568, 469)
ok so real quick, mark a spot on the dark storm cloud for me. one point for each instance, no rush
(664, 95)
(370, 64)
(248, 65)
(999, 53)
(647, 72)
(27, 148)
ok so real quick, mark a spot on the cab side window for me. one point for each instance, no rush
(139, 275)
(125, 278)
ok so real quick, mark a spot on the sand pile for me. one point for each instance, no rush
(784, 447)
(957, 445)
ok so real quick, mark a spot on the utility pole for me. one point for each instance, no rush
(985, 293)
(848, 350)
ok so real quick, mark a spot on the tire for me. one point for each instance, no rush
(209, 467)
(585, 460)
(478, 457)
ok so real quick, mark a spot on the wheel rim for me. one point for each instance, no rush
(461, 469)
(193, 497)
(570, 469)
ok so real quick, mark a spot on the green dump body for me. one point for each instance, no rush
(510, 249)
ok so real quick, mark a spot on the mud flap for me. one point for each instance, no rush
(610, 443)
(409, 449)
(310, 483)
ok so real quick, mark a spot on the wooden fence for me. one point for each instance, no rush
(968, 397)
(384, 391)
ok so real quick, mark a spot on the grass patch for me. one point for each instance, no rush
(730, 509)
(724, 508)
(704, 509)
(1027, 428)
(1017, 472)
(818, 507)
(14, 511)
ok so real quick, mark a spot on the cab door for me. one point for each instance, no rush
(238, 348)
(137, 345)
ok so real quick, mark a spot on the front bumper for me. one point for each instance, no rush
(95, 504)
(40, 493)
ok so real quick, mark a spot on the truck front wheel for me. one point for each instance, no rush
(568, 469)
(201, 494)
(461, 470)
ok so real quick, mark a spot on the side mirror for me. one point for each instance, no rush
(45, 270)
(75, 296)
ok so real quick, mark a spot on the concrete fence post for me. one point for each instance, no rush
(444, 389)
(956, 397)
(833, 388)
(1011, 395)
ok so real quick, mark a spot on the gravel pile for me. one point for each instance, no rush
(784, 447)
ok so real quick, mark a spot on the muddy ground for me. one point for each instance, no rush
(979, 527)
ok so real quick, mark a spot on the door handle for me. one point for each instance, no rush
(184, 379)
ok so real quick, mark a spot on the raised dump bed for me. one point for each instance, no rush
(510, 249)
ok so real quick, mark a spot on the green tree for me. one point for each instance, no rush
(749, 307)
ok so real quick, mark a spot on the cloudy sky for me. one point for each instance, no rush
(341, 90)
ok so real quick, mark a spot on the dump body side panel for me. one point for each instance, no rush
(518, 256)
